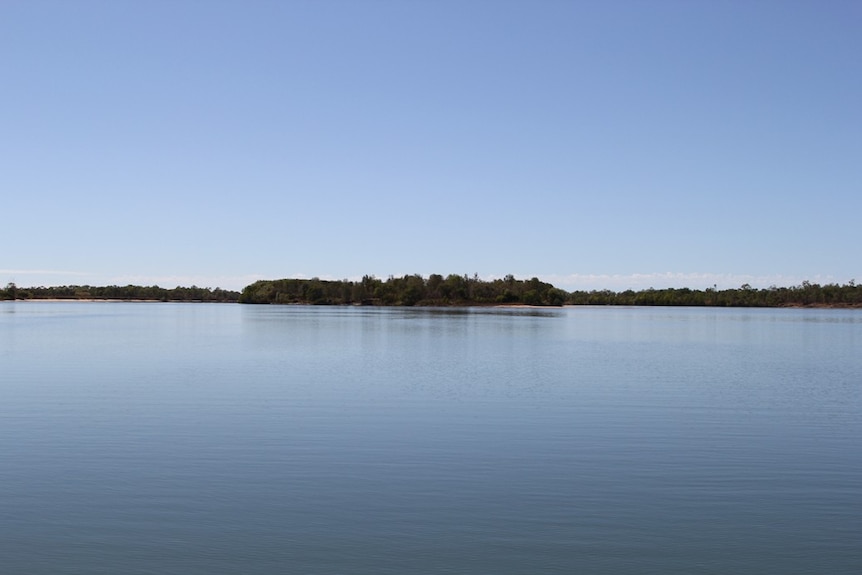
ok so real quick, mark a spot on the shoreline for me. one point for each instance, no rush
(443, 306)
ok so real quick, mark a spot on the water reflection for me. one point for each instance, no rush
(159, 438)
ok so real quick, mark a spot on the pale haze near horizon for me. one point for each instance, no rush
(596, 145)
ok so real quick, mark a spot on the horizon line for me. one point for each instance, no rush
(567, 282)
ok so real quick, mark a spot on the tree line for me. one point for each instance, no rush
(408, 290)
(805, 295)
(126, 293)
(455, 290)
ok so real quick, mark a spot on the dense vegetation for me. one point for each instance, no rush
(129, 293)
(455, 290)
(408, 290)
(462, 290)
(807, 294)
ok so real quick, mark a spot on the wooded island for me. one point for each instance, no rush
(454, 290)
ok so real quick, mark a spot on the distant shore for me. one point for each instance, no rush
(452, 291)
(501, 306)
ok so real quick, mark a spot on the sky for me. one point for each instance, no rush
(595, 145)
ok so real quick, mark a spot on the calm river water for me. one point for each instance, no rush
(149, 438)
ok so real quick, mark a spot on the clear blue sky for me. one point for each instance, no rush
(592, 144)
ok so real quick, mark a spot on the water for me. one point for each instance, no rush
(150, 438)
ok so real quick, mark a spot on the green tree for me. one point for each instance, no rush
(11, 291)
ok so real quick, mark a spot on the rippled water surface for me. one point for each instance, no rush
(208, 439)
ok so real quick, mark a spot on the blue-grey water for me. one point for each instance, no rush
(150, 438)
